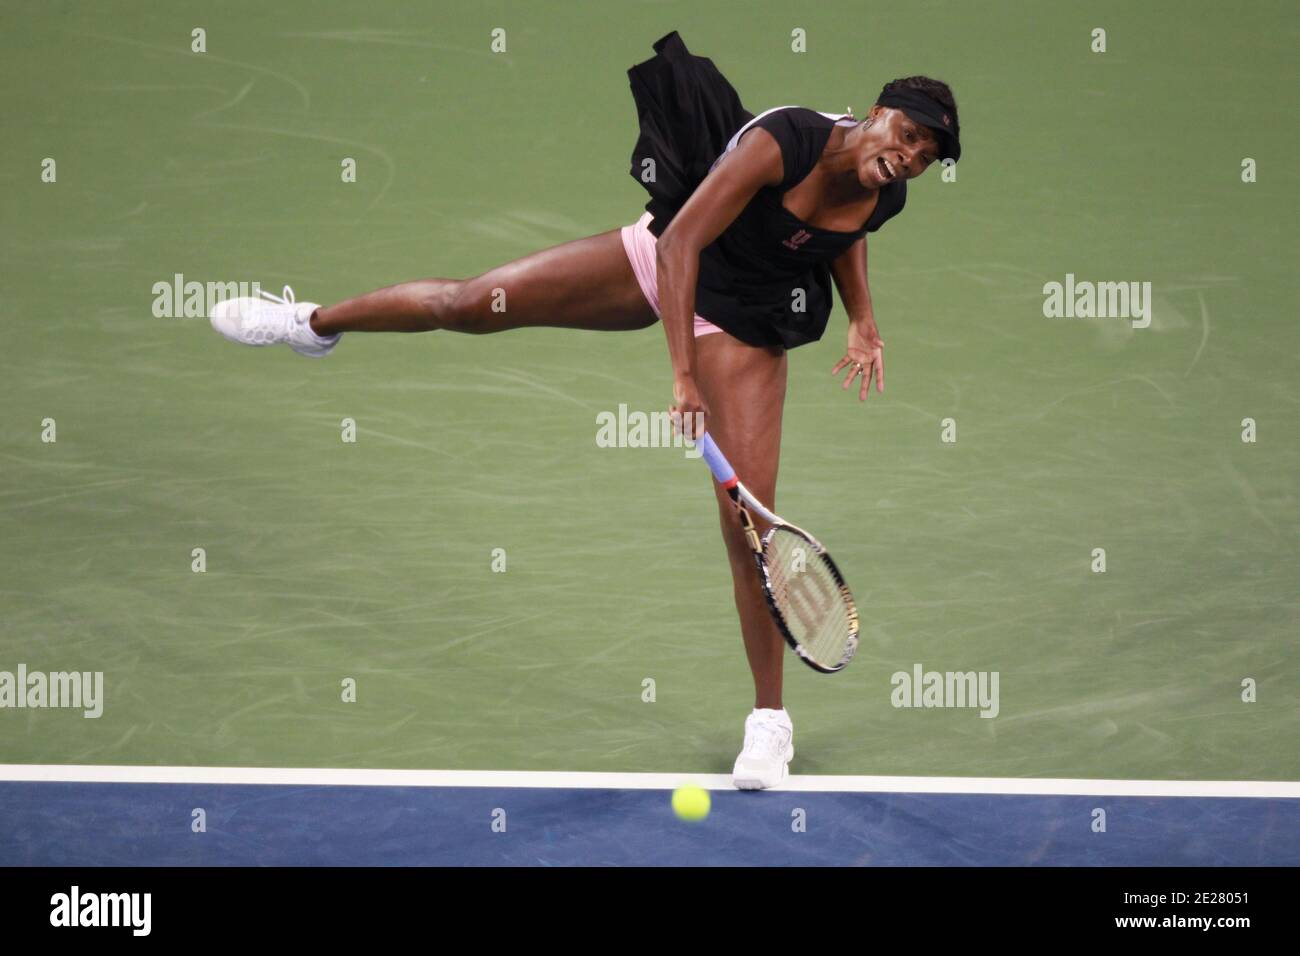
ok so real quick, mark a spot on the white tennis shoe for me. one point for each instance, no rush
(769, 747)
(272, 320)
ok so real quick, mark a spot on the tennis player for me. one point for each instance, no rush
(749, 220)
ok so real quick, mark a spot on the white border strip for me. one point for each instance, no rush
(332, 777)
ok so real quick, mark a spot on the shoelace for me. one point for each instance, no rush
(767, 740)
(288, 299)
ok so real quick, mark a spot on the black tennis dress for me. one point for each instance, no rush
(690, 116)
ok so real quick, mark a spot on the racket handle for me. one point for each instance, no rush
(716, 461)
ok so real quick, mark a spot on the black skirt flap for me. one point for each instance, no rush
(687, 111)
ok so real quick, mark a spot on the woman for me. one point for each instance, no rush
(749, 219)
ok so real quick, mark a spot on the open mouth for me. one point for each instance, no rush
(887, 171)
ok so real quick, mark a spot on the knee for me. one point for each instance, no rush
(455, 306)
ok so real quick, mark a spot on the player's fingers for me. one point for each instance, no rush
(855, 370)
(880, 373)
(874, 369)
(689, 424)
(839, 365)
(700, 424)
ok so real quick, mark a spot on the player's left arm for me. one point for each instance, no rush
(864, 351)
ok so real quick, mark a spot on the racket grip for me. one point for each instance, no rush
(716, 461)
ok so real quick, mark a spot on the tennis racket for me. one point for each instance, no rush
(804, 589)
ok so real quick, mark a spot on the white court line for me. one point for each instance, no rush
(311, 777)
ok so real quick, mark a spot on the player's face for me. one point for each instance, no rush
(894, 147)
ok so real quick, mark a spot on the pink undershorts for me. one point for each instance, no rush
(639, 243)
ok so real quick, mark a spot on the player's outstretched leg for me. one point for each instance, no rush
(745, 390)
(584, 284)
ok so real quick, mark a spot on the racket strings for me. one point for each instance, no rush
(807, 593)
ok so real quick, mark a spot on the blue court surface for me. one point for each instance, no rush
(66, 823)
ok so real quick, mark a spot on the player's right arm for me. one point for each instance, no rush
(755, 162)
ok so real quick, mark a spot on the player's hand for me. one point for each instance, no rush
(864, 356)
(689, 413)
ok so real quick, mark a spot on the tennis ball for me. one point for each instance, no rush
(691, 803)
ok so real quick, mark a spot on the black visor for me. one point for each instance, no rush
(930, 113)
